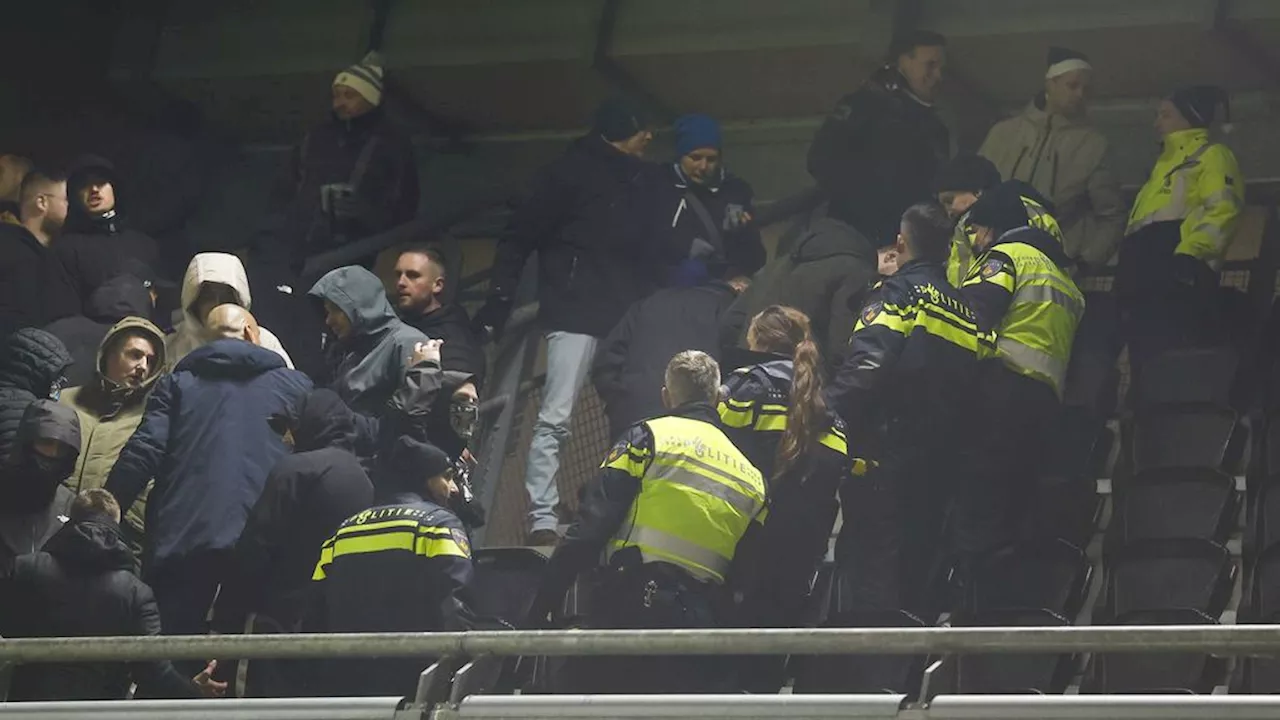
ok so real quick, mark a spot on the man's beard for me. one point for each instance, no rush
(49, 226)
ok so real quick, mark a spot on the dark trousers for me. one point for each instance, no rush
(1159, 310)
(185, 588)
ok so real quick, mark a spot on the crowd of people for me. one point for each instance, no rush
(174, 466)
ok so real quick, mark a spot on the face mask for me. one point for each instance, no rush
(462, 418)
(31, 484)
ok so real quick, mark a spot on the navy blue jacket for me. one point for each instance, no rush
(205, 439)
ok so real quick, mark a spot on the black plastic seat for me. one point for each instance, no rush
(1050, 576)
(861, 673)
(1155, 673)
(1170, 503)
(1159, 575)
(1079, 443)
(1003, 673)
(506, 581)
(1063, 507)
(1188, 376)
(1183, 437)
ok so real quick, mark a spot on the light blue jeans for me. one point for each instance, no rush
(569, 357)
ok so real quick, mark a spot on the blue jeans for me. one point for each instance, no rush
(569, 357)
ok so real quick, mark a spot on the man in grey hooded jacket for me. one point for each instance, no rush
(33, 503)
(373, 349)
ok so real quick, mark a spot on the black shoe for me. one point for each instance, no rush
(543, 538)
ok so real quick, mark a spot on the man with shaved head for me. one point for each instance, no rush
(34, 288)
(232, 321)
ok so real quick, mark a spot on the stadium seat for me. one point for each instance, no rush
(1050, 576)
(1079, 443)
(1262, 674)
(506, 581)
(1159, 575)
(861, 673)
(1188, 376)
(1161, 673)
(1184, 437)
(1002, 673)
(1171, 503)
(1065, 507)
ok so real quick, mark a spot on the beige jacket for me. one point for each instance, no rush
(1066, 161)
(189, 334)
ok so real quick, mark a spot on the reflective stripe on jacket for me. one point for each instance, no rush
(1197, 184)
(961, 260)
(1034, 337)
(698, 496)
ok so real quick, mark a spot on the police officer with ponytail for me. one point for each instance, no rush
(775, 413)
(672, 500)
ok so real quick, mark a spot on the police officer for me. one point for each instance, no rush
(1018, 287)
(672, 500)
(400, 567)
(908, 376)
(959, 184)
(1179, 228)
(774, 412)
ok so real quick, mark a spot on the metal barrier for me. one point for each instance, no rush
(376, 708)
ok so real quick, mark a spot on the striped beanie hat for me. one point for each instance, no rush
(365, 77)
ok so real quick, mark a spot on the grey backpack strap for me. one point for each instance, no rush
(704, 216)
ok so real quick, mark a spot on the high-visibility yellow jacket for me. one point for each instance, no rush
(1196, 184)
(961, 260)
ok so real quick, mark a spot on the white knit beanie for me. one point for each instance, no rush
(365, 77)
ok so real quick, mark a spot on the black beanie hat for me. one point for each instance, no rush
(412, 462)
(966, 173)
(618, 118)
(1000, 208)
(1199, 103)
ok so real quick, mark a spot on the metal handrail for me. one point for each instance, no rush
(1212, 639)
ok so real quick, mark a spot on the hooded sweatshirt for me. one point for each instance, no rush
(109, 414)
(121, 297)
(32, 503)
(213, 267)
(95, 249)
(31, 364)
(83, 585)
(307, 496)
(371, 362)
(463, 350)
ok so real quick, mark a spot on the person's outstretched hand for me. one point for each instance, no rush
(205, 683)
(492, 317)
(426, 351)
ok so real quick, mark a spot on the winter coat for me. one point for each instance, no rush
(226, 269)
(32, 508)
(121, 297)
(31, 364)
(826, 270)
(95, 249)
(463, 351)
(307, 496)
(630, 366)
(678, 227)
(877, 154)
(1066, 161)
(109, 415)
(206, 441)
(371, 363)
(581, 219)
(368, 153)
(83, 585)
(34, 288)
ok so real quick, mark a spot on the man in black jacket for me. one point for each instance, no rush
(400, 567)
(34, 287)
(33, 364)
(98, 243)
(631, 365)
(419, 286)
(879, 150)
(83, 585)
(33, 502)
(120, 297)
(591, 267)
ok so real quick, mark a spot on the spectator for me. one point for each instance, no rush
(83, 585)
(959, 184)
(129, 362)
(1052, 146)
(98, 243)
(401, 567)
(881, 147)
(32, 366)
(206, 441)
(121, 297)
(307, 496)
(213, 279)
(419, 287)
(232, 321)
(13, 168)
(33, 503)
(373, 348)
(631, 364)
(703, 212)
(34, 287)
(1179, 230)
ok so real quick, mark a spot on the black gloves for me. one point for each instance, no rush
(493, 316)
(1191, 271)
